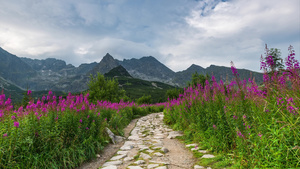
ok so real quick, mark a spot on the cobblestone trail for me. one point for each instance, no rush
(152, 145)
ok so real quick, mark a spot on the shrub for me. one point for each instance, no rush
(104, 89)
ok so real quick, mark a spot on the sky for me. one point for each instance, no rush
(176, 32)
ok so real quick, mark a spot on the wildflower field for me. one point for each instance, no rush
(61, 132)
(255, 126)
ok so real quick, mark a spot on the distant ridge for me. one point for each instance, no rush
(56, 75)
(148, 68)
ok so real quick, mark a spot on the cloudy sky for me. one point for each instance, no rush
(177, 32)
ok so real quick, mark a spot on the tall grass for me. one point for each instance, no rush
(60, 132)
(259, 125)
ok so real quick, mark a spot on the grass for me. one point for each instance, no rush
(258, 125)
(60, 132)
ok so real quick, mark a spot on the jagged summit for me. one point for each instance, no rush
(106, 64)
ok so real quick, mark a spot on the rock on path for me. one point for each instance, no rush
(151, 145)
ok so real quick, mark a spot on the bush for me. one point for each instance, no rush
(174, 93)
(144, 100)
(104, 89)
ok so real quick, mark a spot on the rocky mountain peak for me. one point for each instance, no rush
(108, 57)
(106, 64)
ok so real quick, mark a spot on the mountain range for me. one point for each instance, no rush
(55, 74)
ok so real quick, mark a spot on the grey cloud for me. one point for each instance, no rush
(177, 32)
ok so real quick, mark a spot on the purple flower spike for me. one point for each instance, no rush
(16, 124)
(233, 69)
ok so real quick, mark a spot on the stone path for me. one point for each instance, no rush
(151, 145)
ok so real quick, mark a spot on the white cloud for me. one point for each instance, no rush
(176, 32)
(235, 30)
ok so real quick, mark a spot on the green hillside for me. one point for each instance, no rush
(136, 88)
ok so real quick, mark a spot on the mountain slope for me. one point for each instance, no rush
(106, 64)
(183, 77)
(148, 68)
(11, 90)
(55, 74)
(136, 88)
(219, 72)
(14, 69)
(118, 71)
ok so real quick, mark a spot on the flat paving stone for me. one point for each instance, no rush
(134, 137)
(208, 156)
(198, 167)
(122, 152)
(152, 165)
(118, 157)
(145, 156)
(112, 163)
(111, 167)
(126, 159)
(158, 154)
(162, 167)
(140, 162)
(191, 145)
(195, 149)
(202, 151)
(134, 167)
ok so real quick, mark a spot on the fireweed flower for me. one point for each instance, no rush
(233, 69)
(214, 126)
(16, 124)
(29, 92)
(270, 61)
(13, 117)
(4, 135)
(80, 120)
(259, 135)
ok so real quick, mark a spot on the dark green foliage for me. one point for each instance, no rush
(276, 55)
(104, 89)
(174, 93)
(144, 100)
(198, 79)
(118, 71)
(136, 88)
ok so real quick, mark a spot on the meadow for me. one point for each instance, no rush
(252, 126)
(61, 132)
